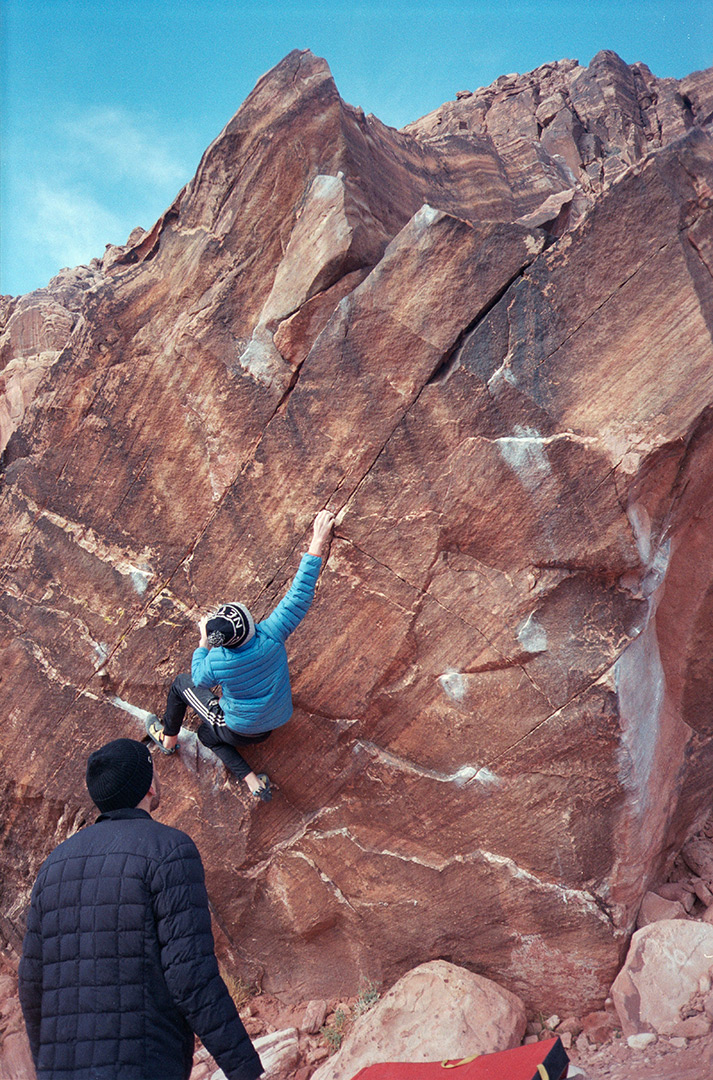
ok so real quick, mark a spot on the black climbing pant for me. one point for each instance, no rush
(213, 731)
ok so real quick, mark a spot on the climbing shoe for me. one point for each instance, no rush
(264, 792)
(154, 730)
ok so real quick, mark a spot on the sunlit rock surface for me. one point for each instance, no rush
(437, 1010)
(488, 349)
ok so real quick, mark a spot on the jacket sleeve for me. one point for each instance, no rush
(295, 604)
(190, 967)
(201, 669)
(30, 978)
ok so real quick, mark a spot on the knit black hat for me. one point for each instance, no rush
(119, 774)
(231, 626)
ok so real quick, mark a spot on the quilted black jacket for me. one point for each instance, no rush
(118, 967)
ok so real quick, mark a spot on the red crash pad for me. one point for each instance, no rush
(544, 1060)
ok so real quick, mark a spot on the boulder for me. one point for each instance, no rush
(598, 1026)
(655, 907)
(503, 690)
(698, 855)
(658, 988)
(279, 1053)
(314, 1016)
(641, 1041)
(681, 891)
(434, 1012)
(702, 891)
(693, 1027)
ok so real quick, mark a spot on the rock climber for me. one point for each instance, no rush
(248, 661)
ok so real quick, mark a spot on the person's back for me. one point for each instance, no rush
(118, 966)
(255, 684)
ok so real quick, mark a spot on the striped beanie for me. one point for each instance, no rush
(231, 626)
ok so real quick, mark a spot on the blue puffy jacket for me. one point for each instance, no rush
(254, 678)
(118, 967)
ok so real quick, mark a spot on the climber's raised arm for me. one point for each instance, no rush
(295, 604)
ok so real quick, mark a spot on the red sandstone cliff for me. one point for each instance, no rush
(485, 341)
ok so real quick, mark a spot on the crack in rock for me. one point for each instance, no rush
(582, 898)
(338, 894)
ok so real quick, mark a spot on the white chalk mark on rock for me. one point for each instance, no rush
(261, 359)
(641, 684)
(655, 560)
(102, 651)
(501, 377)
(641, 527)
(140, 579)
(460, 777)
(454, 684)
(524, 453)
(190, 749)
(486, 777)
(133, 710)
(532, 636)
(426, 216)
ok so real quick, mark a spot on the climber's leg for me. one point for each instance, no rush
(218, 737)
(230, 757)
(176, 704)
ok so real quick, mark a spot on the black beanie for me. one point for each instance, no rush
(119, 774)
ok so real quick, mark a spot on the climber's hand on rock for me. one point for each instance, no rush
(321, 532)
(203, 644)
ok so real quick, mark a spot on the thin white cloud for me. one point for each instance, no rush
(69, 225)
(97, 173)
(128, 145)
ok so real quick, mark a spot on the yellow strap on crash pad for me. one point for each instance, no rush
(544, 1075)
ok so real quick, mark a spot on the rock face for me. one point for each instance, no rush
(655, 908)
(488, 349)
(15, 1056)
(565, 133)
(33, 331)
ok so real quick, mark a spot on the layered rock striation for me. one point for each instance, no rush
(488, 350)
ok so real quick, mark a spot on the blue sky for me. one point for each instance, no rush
(107, 105)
